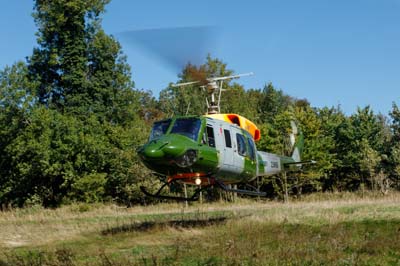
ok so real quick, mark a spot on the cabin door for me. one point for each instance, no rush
(226, 149)
(229, 153)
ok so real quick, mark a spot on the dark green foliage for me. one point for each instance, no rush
(359, 141)
(15, 104)
(78, 68)
(70, 118)
(273, 102)
(393, 148)
(59, 155)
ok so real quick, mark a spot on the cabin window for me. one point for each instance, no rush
(189, 127)
(159, 129)
(252, 150)
(210, 136)
(241, 144)
(228, 141)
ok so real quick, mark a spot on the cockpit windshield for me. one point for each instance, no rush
(159, 128)
(188, 127)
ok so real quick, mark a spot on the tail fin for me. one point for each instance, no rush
(297, 140)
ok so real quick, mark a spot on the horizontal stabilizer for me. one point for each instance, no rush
(301, 163)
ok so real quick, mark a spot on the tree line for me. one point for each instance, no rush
(71, 121)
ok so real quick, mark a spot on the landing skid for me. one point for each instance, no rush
(194, 197)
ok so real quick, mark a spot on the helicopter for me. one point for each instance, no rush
(214, 149)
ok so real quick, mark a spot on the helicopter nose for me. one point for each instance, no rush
(153, 153)
(153, 150)
(164, 149)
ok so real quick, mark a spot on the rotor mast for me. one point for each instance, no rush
(214, 91)
(213, 106)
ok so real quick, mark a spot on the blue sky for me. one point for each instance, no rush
(342, 52)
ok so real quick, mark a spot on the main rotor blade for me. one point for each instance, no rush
(184, 84)
(231, 77)
(175, 47)
(209, 80)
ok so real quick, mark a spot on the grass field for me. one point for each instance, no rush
(329, 229)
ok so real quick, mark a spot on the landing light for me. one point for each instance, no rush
(197, 181)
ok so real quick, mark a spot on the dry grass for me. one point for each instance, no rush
(37, 226)
(322, 229)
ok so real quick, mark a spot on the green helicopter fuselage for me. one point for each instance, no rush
(203, 148)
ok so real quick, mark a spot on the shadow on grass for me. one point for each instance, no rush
(150, 225)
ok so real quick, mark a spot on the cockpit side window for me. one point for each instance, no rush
(189, 127)
(159, 128)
